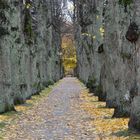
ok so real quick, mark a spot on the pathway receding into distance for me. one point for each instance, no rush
(58, 117)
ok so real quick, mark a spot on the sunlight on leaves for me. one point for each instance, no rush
(106, 127)
(8, 120)
(69, 54)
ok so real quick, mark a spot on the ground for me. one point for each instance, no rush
(65, 111)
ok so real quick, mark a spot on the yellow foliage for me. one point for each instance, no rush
(105, 126)
(86, 34)
(69, 54)
(28, 6)
(89, 35)
(9, 117)
(101, 30)
(97, 17)
(94, 37)
(102, 34)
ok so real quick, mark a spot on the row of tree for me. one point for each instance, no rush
(107, 43)
(30, 46)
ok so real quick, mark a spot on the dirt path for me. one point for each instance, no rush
(58, 117)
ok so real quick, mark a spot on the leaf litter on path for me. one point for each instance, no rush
(106, 127)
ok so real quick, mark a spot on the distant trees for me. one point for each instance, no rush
(69, 53)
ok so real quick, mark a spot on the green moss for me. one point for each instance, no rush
(9, 107)
(18, 40)
(126, 55)
(3, 18)
(3, 31)
(90, 46)
(19, 100)
(2, 125)
(35, 85)
(91, 84)
(28, 27)
(99, 89)
(50, 83)
(125, 2)
(46, 84)
(10, 113)
(3, 4)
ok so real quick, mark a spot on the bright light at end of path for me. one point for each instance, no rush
(70, 6)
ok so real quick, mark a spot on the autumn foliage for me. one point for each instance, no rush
(69, 54)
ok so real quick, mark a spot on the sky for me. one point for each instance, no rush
(69, 9)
